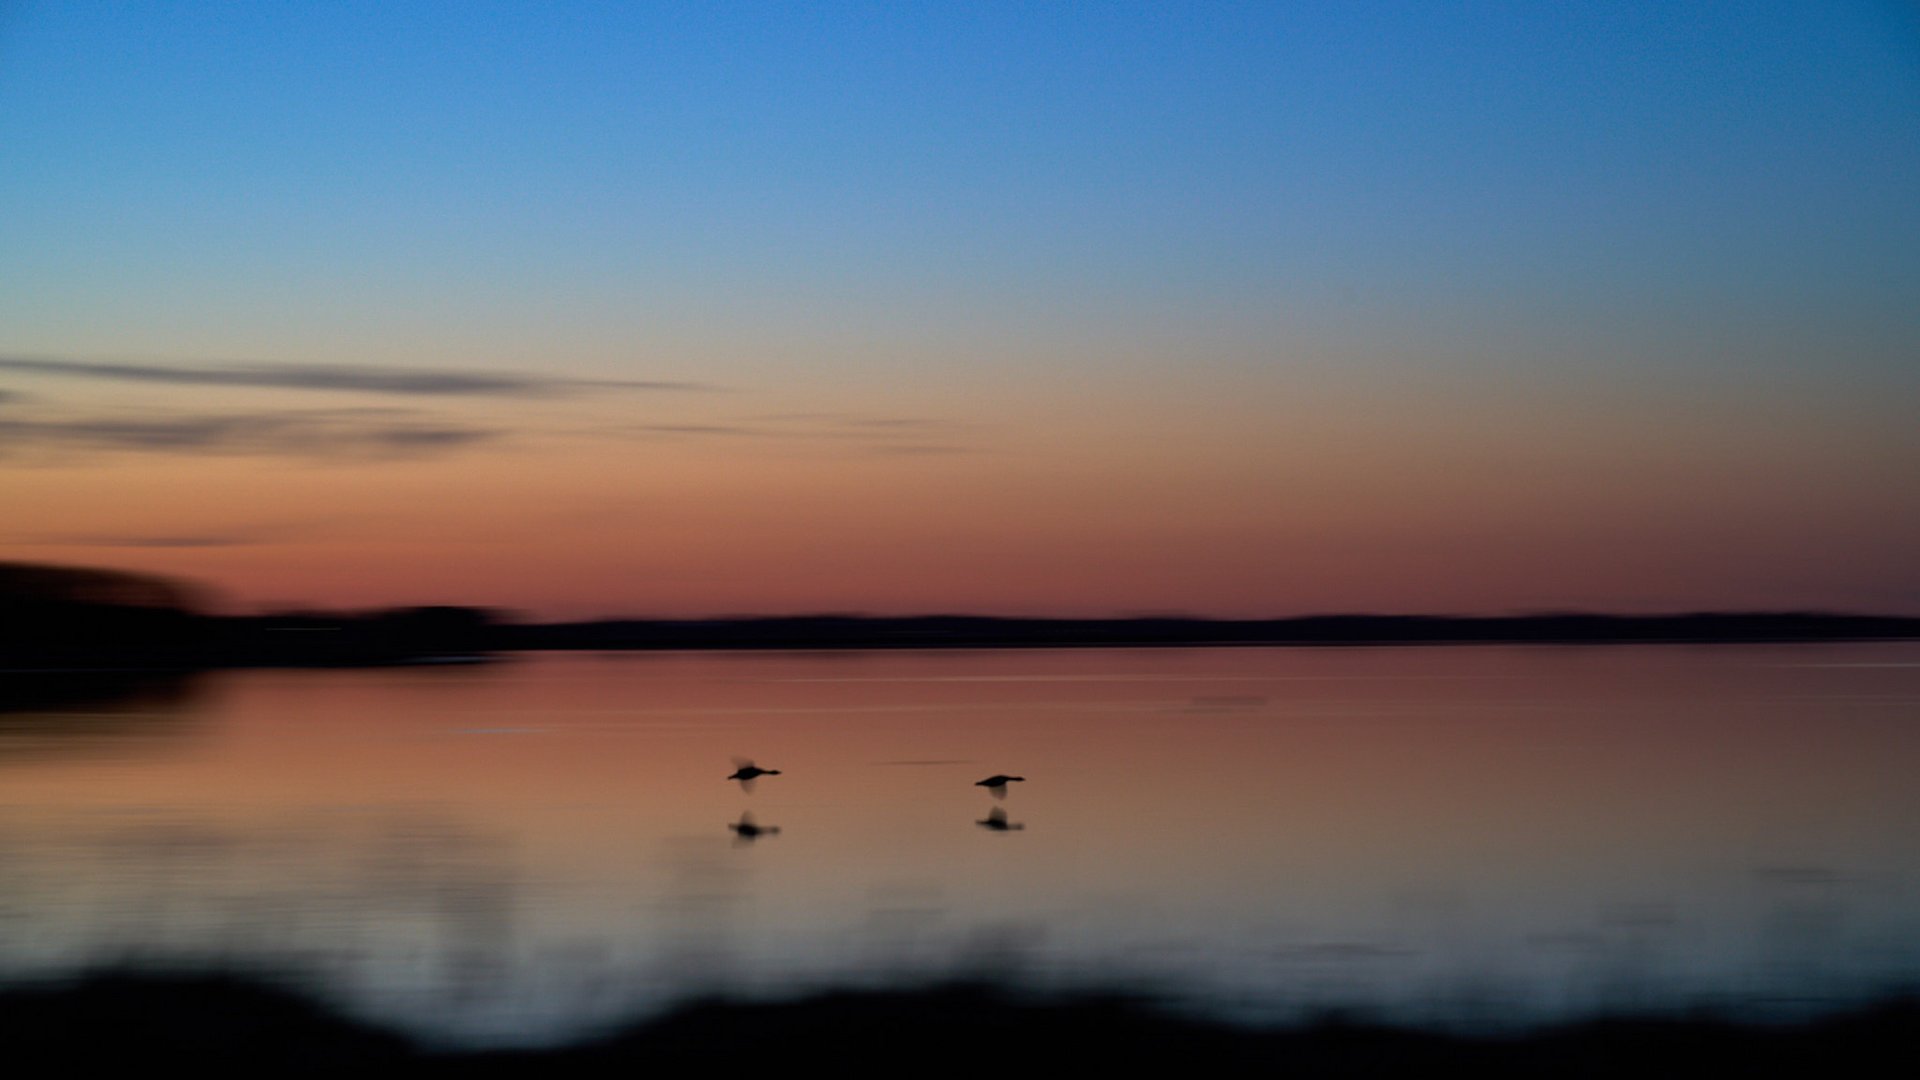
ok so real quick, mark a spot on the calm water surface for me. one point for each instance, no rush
(520, 851)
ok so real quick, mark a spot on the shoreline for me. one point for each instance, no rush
(139, 640)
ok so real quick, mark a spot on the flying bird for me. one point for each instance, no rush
(747, 770)
(997, 783)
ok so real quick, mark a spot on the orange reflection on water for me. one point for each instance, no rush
(1404, 818)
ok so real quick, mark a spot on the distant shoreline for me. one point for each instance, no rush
(996, 632)
(131, 638)
(61, 618)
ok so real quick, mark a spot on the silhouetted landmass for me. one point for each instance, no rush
(55, 713)
(93, 692)
(49, 614)
(973, 632)
(394, 636)
(141, 1022)
(67, 618)
(55, 618)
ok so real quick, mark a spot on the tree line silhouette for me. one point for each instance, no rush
(55, 617)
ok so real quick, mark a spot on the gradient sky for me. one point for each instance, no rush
(1233, 309)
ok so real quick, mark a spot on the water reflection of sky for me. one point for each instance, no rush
(522, 848)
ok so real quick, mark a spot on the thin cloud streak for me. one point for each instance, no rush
(916, 450)
(215, 534)
(879, 435)
(853, 420)
(705, 429)
(181, 541)
(359, 434)
(346, 378)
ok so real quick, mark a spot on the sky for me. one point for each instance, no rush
(1078, 309)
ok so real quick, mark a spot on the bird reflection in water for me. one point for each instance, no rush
(746, 831)
(745, 771)
(996, 820)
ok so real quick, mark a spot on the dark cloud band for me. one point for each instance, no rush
(195, 540)
(344, 433)
(328, 377)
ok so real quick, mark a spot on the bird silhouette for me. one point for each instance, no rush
(997, 783)
(996, 820)
(747, 770)
(746, 832)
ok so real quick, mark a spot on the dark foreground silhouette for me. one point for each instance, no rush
(141, 1022)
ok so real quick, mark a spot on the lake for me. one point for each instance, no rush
(518, 852)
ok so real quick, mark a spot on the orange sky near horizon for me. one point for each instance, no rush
(1268, 496)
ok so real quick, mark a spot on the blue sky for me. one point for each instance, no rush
(1580, 157)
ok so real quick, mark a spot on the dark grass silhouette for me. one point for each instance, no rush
(139, 1021)
(147, 1021)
